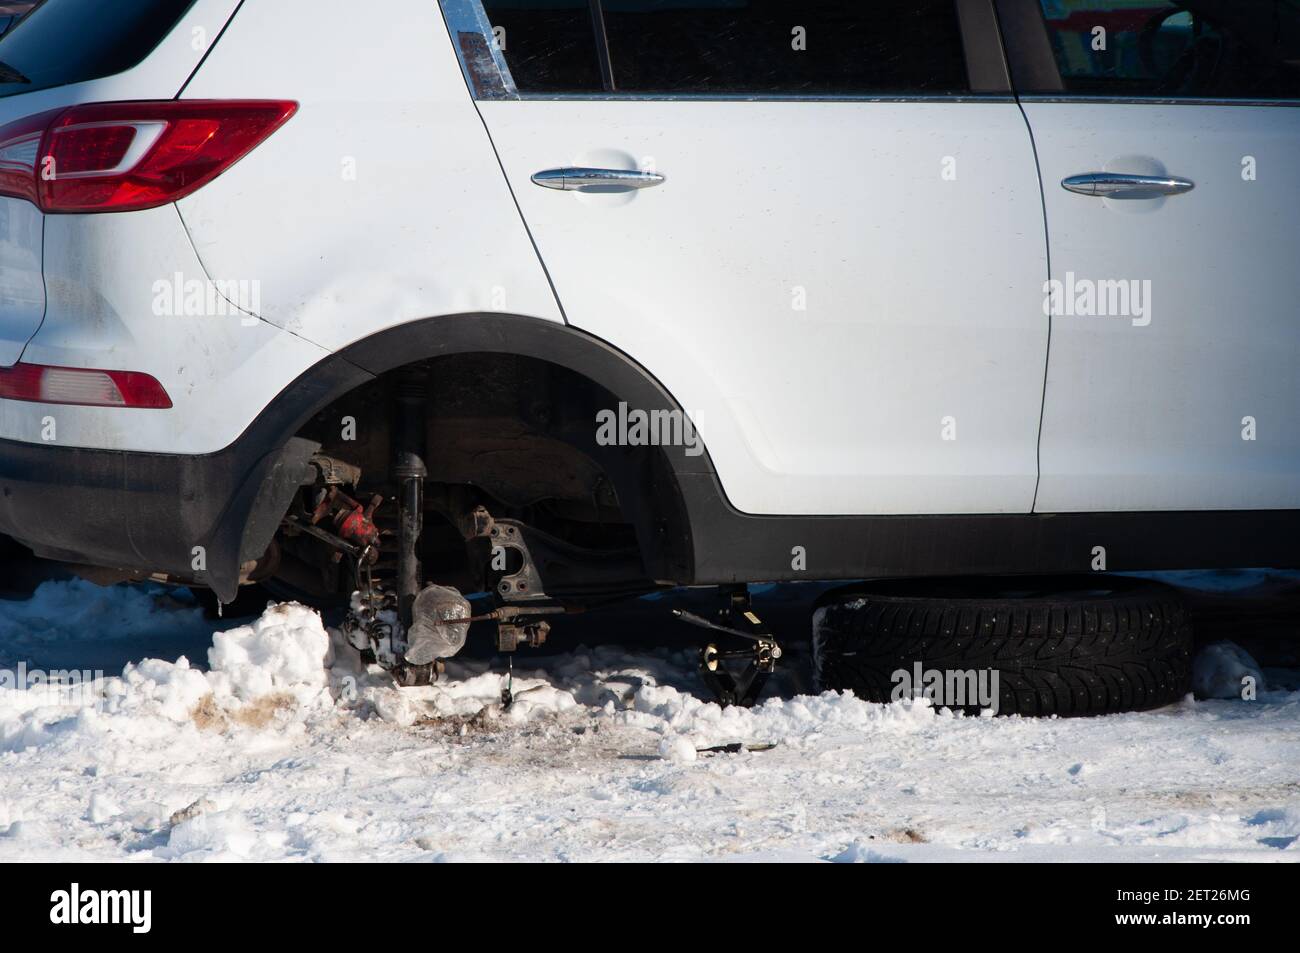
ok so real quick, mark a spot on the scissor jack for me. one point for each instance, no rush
(737, 619)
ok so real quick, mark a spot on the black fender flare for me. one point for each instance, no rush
(652, 502)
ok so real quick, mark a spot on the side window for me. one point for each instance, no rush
(785, 46)
(549, 45)
(1223, 49)
(776, 47)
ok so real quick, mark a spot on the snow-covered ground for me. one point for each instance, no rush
(279, 747)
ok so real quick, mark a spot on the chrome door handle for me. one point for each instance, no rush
(593, 180)
(1107, 184)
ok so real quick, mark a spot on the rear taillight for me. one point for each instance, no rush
(122, 157)
(20, 151)
(85, 386)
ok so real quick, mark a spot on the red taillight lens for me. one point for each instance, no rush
(122, 157)
(91, 150)
(20, 151)
(85, 386)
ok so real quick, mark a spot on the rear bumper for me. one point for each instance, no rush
(198, 518)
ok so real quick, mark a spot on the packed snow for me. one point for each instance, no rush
(281, 745)
(1221, 669)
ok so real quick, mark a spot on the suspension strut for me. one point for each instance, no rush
(410, 471)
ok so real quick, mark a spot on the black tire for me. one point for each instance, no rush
(1068, 647)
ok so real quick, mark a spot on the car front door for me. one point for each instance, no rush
(1169, 141)
(824, 236)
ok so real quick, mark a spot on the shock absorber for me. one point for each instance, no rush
(410, 471)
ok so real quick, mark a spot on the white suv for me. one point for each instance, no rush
(606, 296)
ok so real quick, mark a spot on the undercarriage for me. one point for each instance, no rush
(444, 484)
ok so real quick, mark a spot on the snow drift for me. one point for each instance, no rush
(286, 747)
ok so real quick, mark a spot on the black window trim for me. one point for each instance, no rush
(603, 57)
(987, 69)
(488, 77)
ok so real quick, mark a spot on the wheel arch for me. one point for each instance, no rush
(654, 506)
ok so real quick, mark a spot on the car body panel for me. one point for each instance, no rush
(845, 296)
(383, 197)
(220, 366)
(161, 75)
(1195, 404)
(22, 288)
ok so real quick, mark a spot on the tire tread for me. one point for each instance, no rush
(1065, 656)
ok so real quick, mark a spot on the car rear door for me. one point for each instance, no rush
(826, 237)
(1172, 379)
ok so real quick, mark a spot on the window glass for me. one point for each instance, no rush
(785, 46)
(788, 47)
(549, 46)
(1227, 49)
(11, 11)
(72, 41)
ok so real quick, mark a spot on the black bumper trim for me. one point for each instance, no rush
(198, 518)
